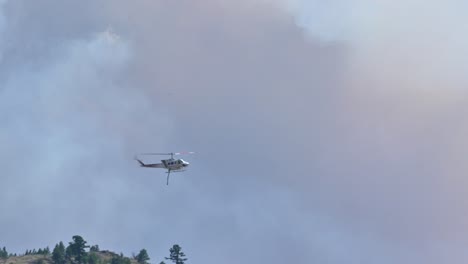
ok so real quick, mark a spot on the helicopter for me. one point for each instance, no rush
(172, 165)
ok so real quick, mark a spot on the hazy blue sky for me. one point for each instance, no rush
(325, 131)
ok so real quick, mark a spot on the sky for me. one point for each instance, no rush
(325, 131)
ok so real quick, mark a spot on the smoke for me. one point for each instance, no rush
(68, 117)
(324, 132)
(2, 28)
(398, 166)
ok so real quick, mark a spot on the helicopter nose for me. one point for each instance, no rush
(186, 164)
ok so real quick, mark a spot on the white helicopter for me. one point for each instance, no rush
(172, 165)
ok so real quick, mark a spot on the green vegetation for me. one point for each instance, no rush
(142, 257)
(3, 253)
(76, 253)
(120, 259)
(58, 255)
(177, 256)
(94, 248)
(76, 250)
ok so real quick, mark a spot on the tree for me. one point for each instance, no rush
(68, 254)
(120, 259)
(76, 249)
(93, 258)
(177, 256)
(58, 254)
(94, 248)
(3, 253)
(142, 257)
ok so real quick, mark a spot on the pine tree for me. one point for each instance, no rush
(177, 256)
(58, 254)
(142, 257)
(3, 253)
(76, 249)
(94, 248)
(120, 259)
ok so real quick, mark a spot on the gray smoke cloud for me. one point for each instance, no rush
(323, 135)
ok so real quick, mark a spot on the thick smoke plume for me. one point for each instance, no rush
(325, 131)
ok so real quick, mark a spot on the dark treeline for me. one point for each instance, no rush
(4, 253)
(78, 252)
(45, 251)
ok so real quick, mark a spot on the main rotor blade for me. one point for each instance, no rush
(184, 153)
(156, 154)
(176, 153)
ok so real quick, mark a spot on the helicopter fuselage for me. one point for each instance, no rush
(173, 164)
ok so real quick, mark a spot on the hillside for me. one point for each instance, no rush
(28, 259)
(78, 252)
(103, 257)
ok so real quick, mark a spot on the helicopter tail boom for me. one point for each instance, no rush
(155, 165)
